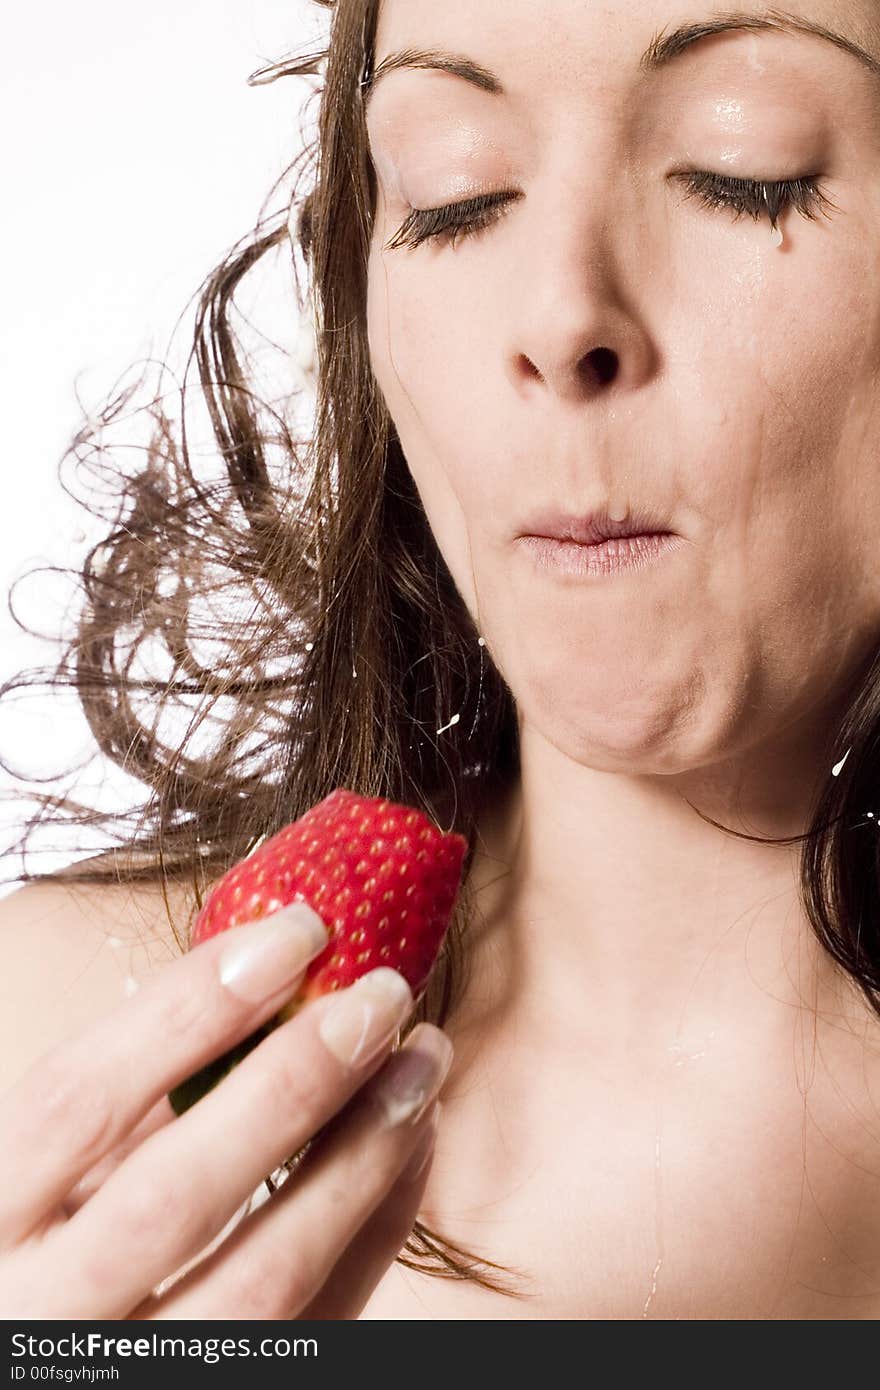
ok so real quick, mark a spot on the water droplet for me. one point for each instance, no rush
(837, 766)
(454, 720)
(658, 1202)
(653, 1287)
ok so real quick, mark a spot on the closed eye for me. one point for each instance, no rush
(757, 197)
(453, 220)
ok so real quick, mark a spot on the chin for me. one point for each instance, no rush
(613, 733)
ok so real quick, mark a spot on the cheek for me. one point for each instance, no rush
(761, 413)
(776, 388)
(417, 355)
(438, 357)
(782, 369)
(442, 415)
(409, 367)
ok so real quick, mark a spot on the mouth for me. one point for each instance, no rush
(593, 529)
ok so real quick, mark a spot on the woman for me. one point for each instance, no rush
(663, 1098)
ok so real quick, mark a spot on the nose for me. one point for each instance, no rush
(578, 330)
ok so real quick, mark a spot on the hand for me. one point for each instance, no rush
(109, 1199)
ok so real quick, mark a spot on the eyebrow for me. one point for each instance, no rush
(661, 51)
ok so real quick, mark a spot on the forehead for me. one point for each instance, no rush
(588, 39)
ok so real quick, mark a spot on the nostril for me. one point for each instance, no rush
(531, 369)
(602, 364)
(597, 367)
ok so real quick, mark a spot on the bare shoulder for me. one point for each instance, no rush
(70, 951)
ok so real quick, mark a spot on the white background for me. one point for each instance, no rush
(135, 156)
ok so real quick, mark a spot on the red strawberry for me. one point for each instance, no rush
(381, 875)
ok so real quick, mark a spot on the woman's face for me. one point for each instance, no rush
(735, 396)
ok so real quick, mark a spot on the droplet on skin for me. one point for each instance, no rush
(658, 1202)
(776, 236)
(130, 986)
(653, 1287)
(679, 1056)
(244, 1210)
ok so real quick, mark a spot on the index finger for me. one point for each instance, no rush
(83, 1096)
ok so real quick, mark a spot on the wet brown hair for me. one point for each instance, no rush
(353, 644)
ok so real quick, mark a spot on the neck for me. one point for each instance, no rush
(611, 908)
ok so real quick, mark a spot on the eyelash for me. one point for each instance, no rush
(755, 197)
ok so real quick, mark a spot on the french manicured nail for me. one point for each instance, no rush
(269, 954)
(366, 1015)
(414, 1075)
(421, 1154)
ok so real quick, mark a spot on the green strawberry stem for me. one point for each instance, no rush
(207, 1077)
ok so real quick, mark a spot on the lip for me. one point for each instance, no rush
(598, 559)
(592, 529)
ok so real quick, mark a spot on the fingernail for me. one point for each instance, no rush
(421, 1154)
(364, 1017)
(414, 1075)
(270, 954)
